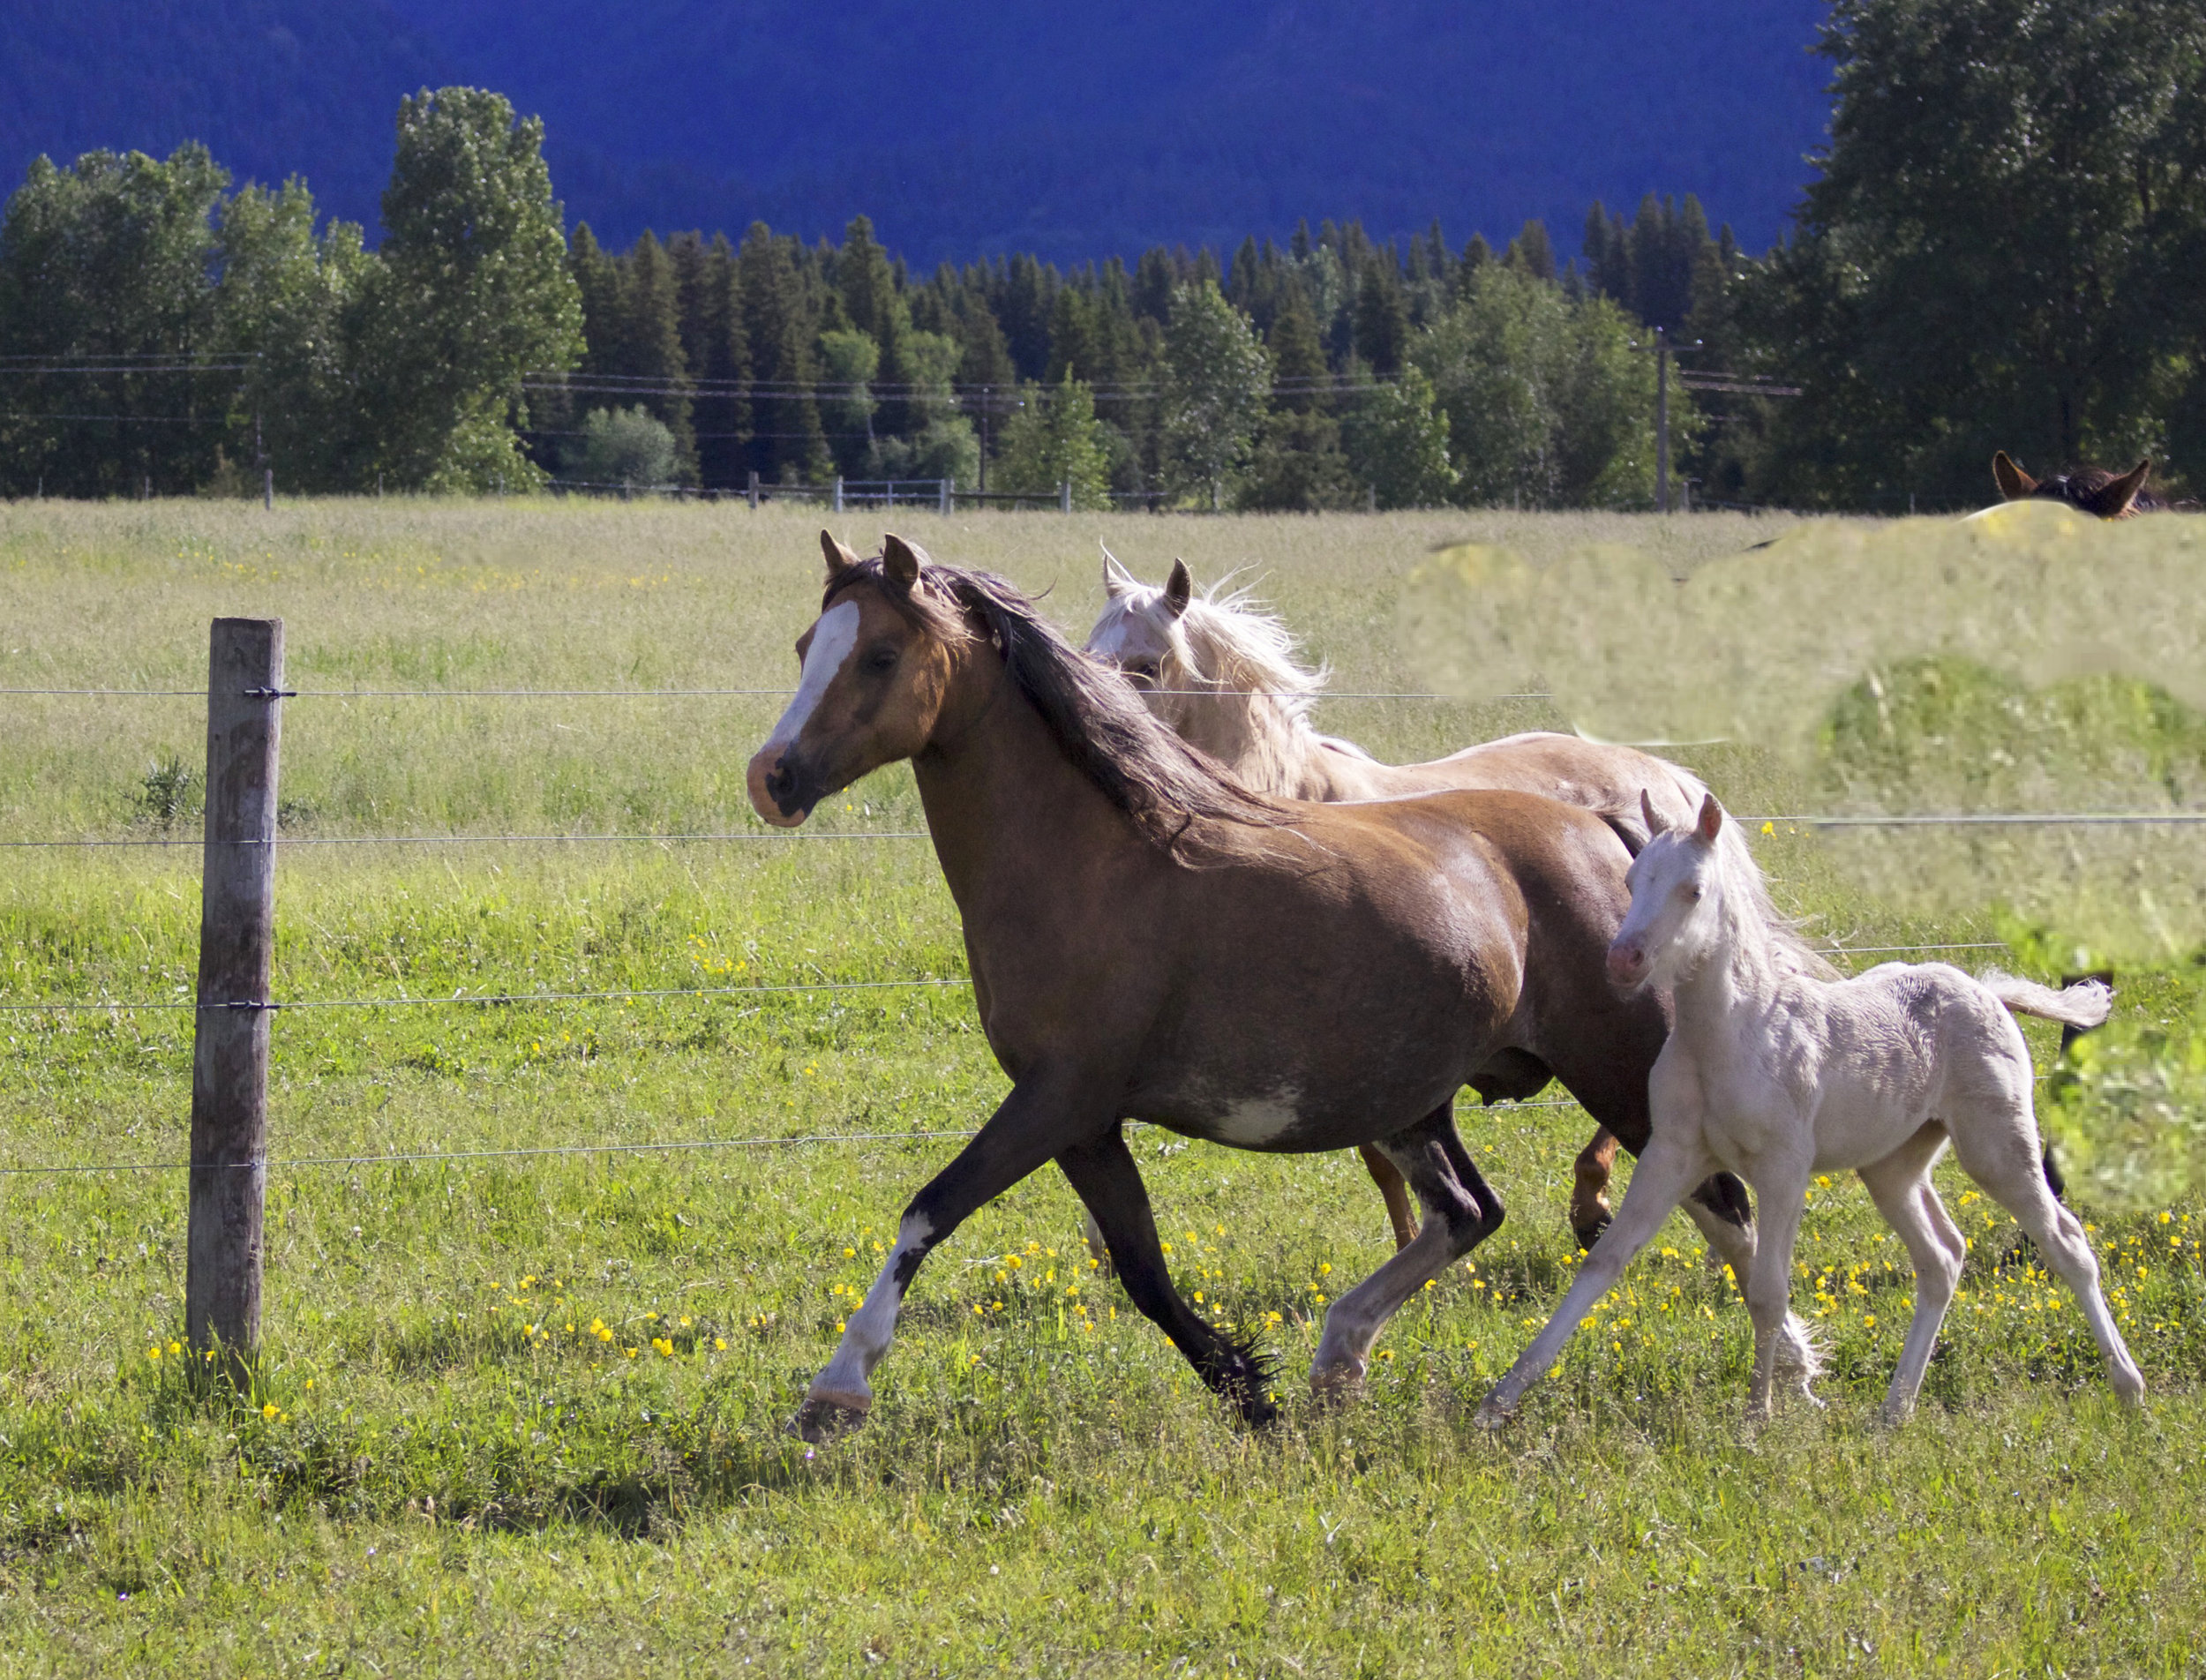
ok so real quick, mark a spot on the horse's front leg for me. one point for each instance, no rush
(1461, 1212)
(1784, 1195)
(1035, 1122)
(1103, 1174)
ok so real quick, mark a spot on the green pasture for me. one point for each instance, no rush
(522, 1412)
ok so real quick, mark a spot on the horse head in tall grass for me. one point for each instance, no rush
(2103, 494)
(1151, 941)
(1229, 677)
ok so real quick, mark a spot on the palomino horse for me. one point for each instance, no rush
(1226, 677)
(1150, 941)
(2093, 489)
(1778, 1076)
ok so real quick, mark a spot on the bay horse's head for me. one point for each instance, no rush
(1675, 883)
(874, 669)
(2093, 489)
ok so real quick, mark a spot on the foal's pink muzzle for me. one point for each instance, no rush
(1627, 963)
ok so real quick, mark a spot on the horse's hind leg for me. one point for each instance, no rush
(1395, 1188)
(1900, 1184)
(1108, 1181)
(1996, 1144)
(1461, 1212)
(1589, 1188)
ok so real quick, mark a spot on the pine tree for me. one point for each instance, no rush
(1301, 377)
(718, 350)
(789, 443)
(1532, 252)
(647, 346)
(1382, 314)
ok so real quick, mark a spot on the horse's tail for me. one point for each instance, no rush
(2084, 1005)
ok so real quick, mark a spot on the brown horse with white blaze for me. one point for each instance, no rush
(1149, 941)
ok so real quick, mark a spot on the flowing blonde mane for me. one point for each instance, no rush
(1226, 641)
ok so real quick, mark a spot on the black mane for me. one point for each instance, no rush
(1165, 786)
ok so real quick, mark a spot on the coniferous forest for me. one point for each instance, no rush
(165, 330)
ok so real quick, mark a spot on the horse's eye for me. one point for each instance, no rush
(1145, 668)
(1693, 893)
(880, 661)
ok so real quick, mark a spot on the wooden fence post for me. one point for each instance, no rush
(1064, 495)
(229, 1052)
(942, 495)
(753, 491)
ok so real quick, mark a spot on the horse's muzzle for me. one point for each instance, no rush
(776, 787)
(1628, 966)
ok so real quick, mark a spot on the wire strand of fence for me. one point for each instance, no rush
(676, 1145)
(489, 998)
(699, 838)
(1993, 819)
(277, 1006)
(670, 694)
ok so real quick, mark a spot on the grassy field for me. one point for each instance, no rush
(521, 1413)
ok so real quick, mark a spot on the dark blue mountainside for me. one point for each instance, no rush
(1072, 133)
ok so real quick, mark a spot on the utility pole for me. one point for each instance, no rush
(1663, 350)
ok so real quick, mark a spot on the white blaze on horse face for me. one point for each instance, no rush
(832, 639)
(867, 1330)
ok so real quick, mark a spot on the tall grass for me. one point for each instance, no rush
(521, 1413)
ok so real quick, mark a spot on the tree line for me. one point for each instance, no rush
(2002, 247)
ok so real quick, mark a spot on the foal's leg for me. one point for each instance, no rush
(1672, 1165)
(1461, 1212)
(1031, 1126)
(1900, 1184)
(1395, 1188)
(1784, 1187)
(1103, 1172)
(1998, 1147)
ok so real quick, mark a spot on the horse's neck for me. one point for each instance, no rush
(1734, 985)
(1265, 746)
(1007, 808)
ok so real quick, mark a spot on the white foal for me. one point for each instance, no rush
(1778, 1076)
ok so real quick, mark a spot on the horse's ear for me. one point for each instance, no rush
(1711, 824)
(1656, 822)
(2013, 483)
(903, 561)
(2114, 500)
(1179, 589)
(839, 559)
(1116, 579)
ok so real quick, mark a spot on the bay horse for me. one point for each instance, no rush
(2095, 491)
(1150, 941)
(1227, 679)
(1778, 1076)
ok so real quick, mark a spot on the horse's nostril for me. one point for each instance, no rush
(781, 782)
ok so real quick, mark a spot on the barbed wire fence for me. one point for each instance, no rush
(233, 1006)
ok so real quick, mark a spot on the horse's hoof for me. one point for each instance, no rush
(1492, 1417)
(822, 1417)
(1893, 1414)
(1337, 1384)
